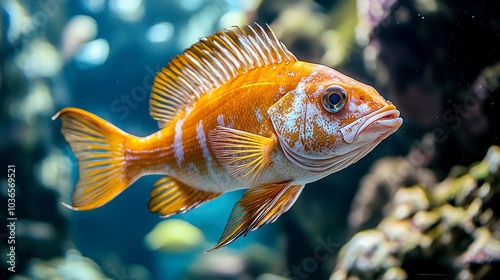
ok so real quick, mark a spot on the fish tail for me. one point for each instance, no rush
(100, 148)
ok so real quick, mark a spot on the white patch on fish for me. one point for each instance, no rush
(220, 120)
(202, 141)
(178, 147)
(281, 90)
(193, 168)
(258, 114)
(296, 110)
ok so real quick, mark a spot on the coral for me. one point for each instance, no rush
(451, 227)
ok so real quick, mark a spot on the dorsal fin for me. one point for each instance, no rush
(211, 62)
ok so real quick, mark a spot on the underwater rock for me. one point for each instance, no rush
(298, 34)
(367, 251)
(39, 59)
(262, 260)
(425, 53)
(474, 116)
(255, 261)
(269, 276)
(451, 228)
(92, 54)
(30, 68)
(370, 14)
(408, 201)
(114, 266)
(79, 30)
(72, 266)
(174, 235)
(54, 172)
(219, 265)
(321, 31)
(484, 249)
(394, 273)
(383, 181)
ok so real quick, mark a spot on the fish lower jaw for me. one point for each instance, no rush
(382, 119)
(384, 126)
(386, 119)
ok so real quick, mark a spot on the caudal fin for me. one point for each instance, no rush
(100, 149)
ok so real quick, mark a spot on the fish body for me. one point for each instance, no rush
(236, 111)
(240, 104)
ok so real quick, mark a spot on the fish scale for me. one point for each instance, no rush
(209, 108)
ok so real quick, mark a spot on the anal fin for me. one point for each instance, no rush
(170, 196)
(258, 206)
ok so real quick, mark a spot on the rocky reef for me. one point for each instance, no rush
(438, 61)
(70, 266)
(425, 214)
(448, 229)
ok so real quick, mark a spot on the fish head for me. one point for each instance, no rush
(330, 121)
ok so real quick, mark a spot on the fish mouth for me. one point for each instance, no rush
(367, 132)
(383, 121)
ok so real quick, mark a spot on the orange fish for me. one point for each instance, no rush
(236, 110)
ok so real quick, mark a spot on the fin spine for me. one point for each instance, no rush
(211, 62)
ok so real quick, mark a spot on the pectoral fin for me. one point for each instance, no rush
(169, 197)
(242, 154)
(259, 206)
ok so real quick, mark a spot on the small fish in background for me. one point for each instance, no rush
(236, 110)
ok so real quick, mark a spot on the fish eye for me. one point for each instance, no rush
(334, 98)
